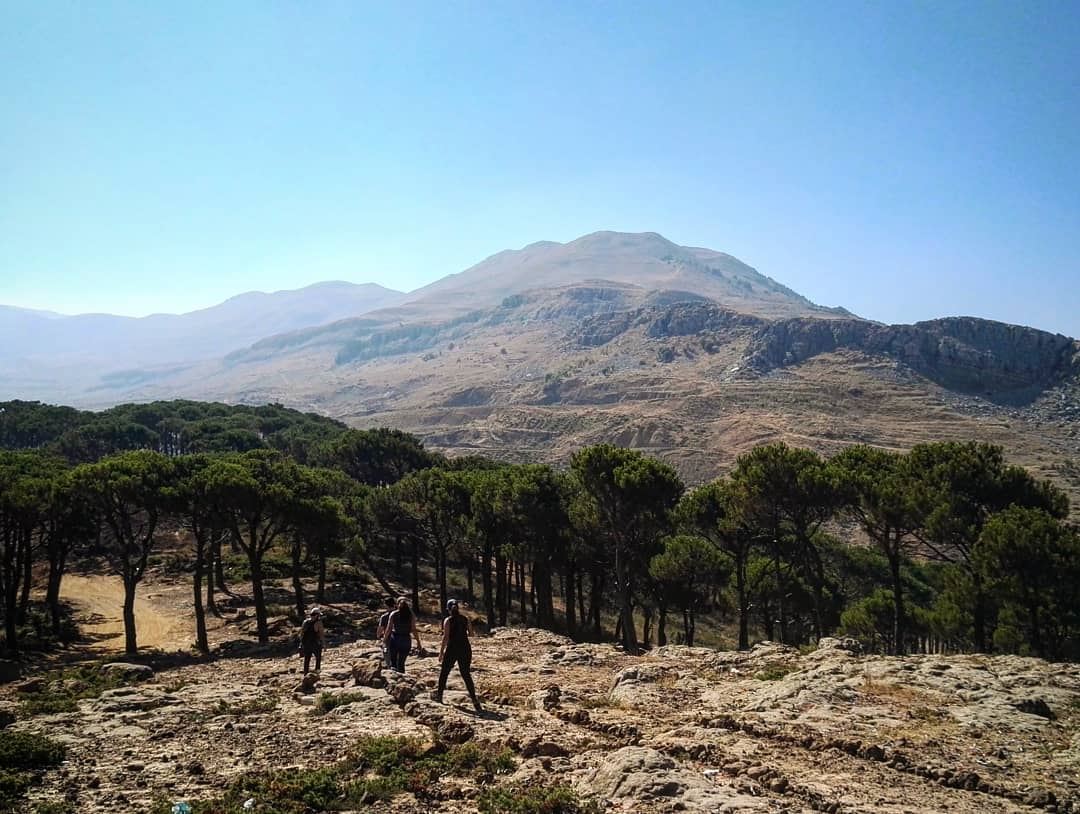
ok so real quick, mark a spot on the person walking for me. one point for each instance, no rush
(456, 649)
(400, 631)
(380, 630)
(312, 636)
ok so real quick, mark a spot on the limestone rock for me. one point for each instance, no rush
(368, 674)
(128, 672)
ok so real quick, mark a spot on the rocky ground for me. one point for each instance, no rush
(678, 729)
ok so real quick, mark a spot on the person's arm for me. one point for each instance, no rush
(416, 635)
(445, 637)
(389, 627)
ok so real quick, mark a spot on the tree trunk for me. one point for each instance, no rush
(582, 615)
(661, 626)
(27, 576)
(297, 582)
(10, 585)
(979, 613)
(898, 603)
(502, 590)
(320, 591)
(415, 575)
(626, 610)
(519, 568)
(255, 561)
(131, 646)
(744, 602)
(780, 601)
(646, 627)
(595, 602)
(440, 566)
(469, 581)
(57, 561)
(211, 603)
(201, 641)
(219, 567)
(377, 573)
(569, 598)
(485, 578)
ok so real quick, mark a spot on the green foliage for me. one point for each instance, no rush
(522, 799)
(376, 768)
(253, 706)
(20, 754)
(774, 672)
(328, 701)
(376, 457)
(63, 689)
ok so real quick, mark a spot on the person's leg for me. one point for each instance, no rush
(464, 665)
(444, 673)
(307, 661)
(398, 654)
(318, 659)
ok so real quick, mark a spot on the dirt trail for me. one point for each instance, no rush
(100, 600)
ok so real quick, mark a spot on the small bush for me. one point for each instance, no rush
(327, 701)
(25, 750)
(253, 706)
(36, 633)
(376, 768)
(21, 752)
(52, 808)
(534, 800)
(774, 672)
(63, 689)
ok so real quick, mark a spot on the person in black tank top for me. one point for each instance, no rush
(456, 649)
(400, 630)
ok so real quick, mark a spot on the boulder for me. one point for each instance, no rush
(402, 688)
(128, 672)
(368, 674)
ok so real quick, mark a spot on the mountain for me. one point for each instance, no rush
(45, 355)
(646, 260)
(685, 353)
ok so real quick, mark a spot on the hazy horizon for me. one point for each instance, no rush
(904, 162)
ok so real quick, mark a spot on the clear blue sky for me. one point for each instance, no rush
(906, 160)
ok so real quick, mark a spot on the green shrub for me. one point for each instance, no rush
(327, 701)
(25, 750)
(21, 752)
(376, 768)
(252, 706)
(64, 688)
(534, 800)
(775, 671)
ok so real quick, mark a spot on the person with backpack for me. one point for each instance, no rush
(456, 649)
(400, 631)
(380, 630)
(312, 635)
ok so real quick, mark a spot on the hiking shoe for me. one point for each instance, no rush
(436, 697)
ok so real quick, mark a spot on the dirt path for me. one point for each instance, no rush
(100, 600)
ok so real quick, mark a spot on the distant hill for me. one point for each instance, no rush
(45, 355)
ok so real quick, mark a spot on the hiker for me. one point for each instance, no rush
(456, 648)
(312, 634)
(380, 630)
(400, 631)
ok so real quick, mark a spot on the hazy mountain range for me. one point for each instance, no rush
(684, 352)
(89, 358)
